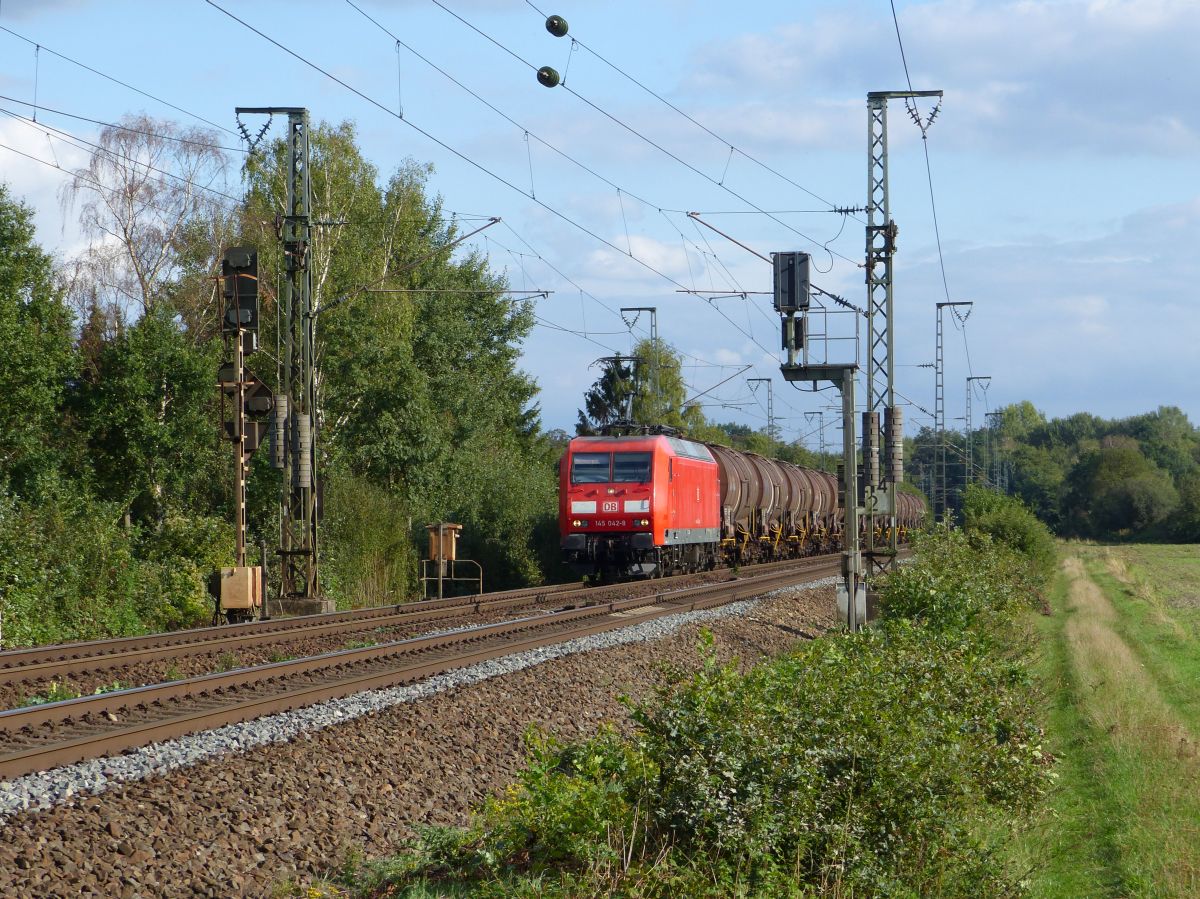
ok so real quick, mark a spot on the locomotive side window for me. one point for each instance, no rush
(590, 468)
(631, 468)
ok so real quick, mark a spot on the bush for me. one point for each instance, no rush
(368, 556)
(70, 571)
(869, 764)
(960, 579)
(1010, 522)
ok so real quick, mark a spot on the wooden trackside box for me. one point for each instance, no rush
(241, 588)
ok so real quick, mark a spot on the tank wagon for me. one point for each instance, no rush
(653, 505)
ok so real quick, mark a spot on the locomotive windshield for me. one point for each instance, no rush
(631, 468)
(590, 468)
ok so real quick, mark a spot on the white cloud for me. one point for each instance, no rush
(1104, 325)
(38, 183)
(1025, 75)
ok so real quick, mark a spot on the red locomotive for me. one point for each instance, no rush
(653, 505)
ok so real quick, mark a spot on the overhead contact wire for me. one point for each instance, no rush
(695, 121)
(655, 144)
(123, 84)
(467, 159)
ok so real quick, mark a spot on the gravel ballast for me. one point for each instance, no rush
(205, 815)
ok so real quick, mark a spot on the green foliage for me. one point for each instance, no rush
(115, 502)
(370, 558)
(869, 764)
(56, 692)
(146, 406)
(228, 661)
(1115, 489)
(1186, 524)
(427, 416)
(1009, 522)
(961, 579)
(1082, 475)
(37, 355)
(70, 571)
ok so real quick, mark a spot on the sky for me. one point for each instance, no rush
(1061, 169)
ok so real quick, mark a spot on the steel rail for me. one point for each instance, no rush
(225, 641)
(16, 658)
(96, 725)
(26, 666)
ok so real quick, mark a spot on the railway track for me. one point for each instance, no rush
(52, 734)
(50, 663)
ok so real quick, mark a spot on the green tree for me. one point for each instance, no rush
(37, 356)
(606, 400)
(419, 389)
(1166, 437)
(147, 414)
(1019, 419)
(1115, 490)
(1037, 478)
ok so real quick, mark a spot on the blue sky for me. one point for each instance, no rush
(1063, 162)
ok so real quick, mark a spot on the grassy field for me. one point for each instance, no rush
(1121, 661)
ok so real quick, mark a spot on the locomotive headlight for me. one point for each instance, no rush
(644, 522)
(576, 523)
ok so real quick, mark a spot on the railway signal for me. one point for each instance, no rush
(791, 291)
(245, 403)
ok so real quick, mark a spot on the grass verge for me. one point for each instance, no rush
(1124, 819)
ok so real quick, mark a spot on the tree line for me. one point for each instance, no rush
(1083, 475)
(115, 491)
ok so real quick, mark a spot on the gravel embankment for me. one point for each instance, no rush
(235, 822)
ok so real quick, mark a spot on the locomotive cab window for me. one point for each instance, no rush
(590, 468)
(631, 468)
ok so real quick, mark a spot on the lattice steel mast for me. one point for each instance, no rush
(295, 425)
(880, 487)
(939, 414)
(969, 475)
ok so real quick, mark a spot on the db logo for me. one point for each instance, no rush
(610, 507)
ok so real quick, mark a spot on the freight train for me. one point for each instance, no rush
(655, 505)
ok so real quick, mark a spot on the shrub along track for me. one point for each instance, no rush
(153, 658)
(44, 736)
(235, 825)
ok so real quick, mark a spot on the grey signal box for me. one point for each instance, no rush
(239, 270)
(792, 289)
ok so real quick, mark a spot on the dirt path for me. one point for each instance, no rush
(1119, 696)
(1146, 763)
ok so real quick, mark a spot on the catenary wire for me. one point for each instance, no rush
(733, 148)
(117, 127)
(75, 141)
(124, 84)
(458, 153)
(654, 144)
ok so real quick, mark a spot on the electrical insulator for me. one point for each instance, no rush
(894, 417)
(871, 448)
(548, 77)
(557, 26)
(304, 454)
(279, 432)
